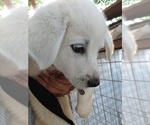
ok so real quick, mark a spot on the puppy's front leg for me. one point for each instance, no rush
(84, 103)
(65, 105)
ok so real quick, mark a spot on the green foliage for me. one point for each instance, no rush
(38, 2)
(127, 3)
(104, 3)
(97, 1)
(14, 2)
(2, 3)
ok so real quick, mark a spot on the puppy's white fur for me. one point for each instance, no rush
(84, 103)
(44, 116)
(52, 30)
(18, 112)
(14, 37)
(13, 56)
(128, 42)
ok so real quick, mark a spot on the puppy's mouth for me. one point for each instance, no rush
(81, 91)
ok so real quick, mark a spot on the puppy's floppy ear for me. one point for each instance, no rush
(46, 32)
(128, 43)
(109, 45)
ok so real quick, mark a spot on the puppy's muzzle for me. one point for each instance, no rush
(93, 82)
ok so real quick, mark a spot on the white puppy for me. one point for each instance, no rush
(14, 62)
(69, 35)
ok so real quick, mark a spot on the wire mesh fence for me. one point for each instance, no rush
(107, 97)
(4, 115)
(123, 97)
(136, 89)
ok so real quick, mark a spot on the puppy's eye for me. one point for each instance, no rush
(78, 48)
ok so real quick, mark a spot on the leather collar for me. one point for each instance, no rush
(55, 82)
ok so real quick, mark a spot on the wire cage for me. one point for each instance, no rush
(107, 100)
(4, 115)
(135, 89)
(123, 97)
(136, 74)
(107, 105)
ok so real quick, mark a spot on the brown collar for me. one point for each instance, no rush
(55, 82)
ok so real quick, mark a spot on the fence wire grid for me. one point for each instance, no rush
(107, 97)
(123, 97)
(136, 89)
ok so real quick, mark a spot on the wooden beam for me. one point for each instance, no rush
(114, 10)
(138, 10)
(144, 44)
(117, 44)
(138, 25)
(114, 25)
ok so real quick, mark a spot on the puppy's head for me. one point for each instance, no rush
(77, 31)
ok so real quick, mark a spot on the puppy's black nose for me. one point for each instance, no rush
(93, 82)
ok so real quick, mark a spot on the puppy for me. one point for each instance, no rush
(13, 66)
(68, 35)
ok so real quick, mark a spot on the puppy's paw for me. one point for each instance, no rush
(84, 103)
(84, 110)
